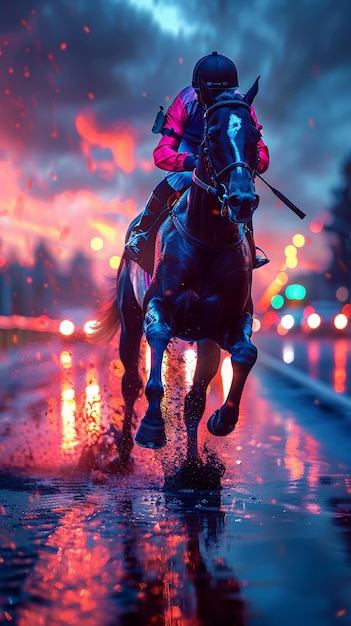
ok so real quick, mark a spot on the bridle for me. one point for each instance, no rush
(217, 188)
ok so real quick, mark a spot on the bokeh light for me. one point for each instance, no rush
(288, 354)
(89, 327)
(313, 321)
(277, 301)
(340, 321)
(316, 226)
(342, 294)
(290, 250)
(295, 292)
(66, 359)
(287, 321)
(115, 262)
(96, 244)
(66, 328)
(281, 278)
(291, 262)
(256, 325)
(298, 240)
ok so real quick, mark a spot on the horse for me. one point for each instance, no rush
(200, 286)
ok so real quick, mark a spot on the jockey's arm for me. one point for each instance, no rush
(166, 155)
(263, 152)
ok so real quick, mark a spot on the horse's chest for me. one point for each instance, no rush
(195, 313)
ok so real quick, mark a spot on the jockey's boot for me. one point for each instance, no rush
(155, 204)
(259, 259)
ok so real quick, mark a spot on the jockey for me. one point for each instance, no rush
(176, 151)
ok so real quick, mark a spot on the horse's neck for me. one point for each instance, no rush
(199, 215)
(204, 220)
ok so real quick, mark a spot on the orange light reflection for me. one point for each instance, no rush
(68, 417)
(227, 376)
(302, 458)
(93, 407)
(313, 356)
(340, 356)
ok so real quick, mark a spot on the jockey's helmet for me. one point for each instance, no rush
(217, 71)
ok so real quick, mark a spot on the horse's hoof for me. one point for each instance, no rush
(216, 427)
(149, 436)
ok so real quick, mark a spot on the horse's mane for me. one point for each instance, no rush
(230, 94)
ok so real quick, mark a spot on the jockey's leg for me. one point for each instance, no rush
(258, 260)
(155, 204)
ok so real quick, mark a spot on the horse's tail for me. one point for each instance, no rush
(108, 318)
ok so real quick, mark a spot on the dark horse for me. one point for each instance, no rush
(200, 287)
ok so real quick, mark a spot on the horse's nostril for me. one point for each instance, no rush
(234, 200)
(242, 206)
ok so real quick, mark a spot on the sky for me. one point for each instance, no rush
(81, 83)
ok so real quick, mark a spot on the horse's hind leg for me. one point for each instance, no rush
(129, 346)
(208, 356)
(243, 356)
(131, 387)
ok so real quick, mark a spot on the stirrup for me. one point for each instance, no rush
(260, 261)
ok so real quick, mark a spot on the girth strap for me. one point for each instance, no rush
(203, 244)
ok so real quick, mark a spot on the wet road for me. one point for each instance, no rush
(272, 547)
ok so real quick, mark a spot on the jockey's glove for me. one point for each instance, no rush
(190, 162)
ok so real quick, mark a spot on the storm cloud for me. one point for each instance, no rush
(81, 84)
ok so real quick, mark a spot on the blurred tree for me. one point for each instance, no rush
(340, 227)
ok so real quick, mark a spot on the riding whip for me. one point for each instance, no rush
(284, 199)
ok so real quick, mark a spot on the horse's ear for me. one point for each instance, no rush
(205, 95)
(250, 95)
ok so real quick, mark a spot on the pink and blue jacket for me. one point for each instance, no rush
(184, 120)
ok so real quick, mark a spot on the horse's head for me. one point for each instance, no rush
(228, 155)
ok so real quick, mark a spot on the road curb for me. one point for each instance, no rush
(324, 392)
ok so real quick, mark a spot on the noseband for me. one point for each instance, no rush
(220, 190)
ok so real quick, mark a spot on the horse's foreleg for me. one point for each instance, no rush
(151, 432)
(243, 356)
(208, 356)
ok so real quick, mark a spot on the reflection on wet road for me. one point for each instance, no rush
(272, 547)
(327, 360)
